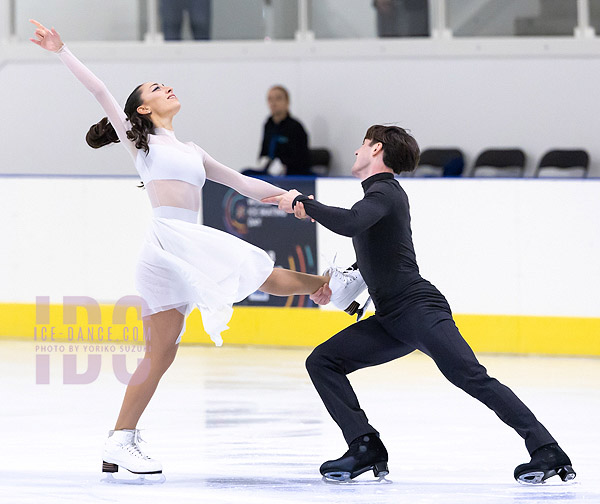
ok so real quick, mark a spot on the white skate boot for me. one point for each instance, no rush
(346, 285)
(122, 449)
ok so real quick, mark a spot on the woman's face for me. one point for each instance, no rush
(278, 103)
(158, 99)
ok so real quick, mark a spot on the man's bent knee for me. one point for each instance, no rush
(320, 359)
(317, 360)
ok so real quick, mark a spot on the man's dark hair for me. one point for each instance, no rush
(400, 150)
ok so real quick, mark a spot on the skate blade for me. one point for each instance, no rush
(127, 478)
(338, 476)
(380, 471)
(531, 478)
(566, 473)
(349, 481)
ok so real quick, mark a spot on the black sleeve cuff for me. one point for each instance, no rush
(300, 198)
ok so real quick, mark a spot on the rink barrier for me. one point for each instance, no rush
(300, 327)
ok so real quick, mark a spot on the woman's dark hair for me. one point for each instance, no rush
(103, 133)
(401, 152)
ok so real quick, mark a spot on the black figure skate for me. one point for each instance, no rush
(365, 453)
(546, 462)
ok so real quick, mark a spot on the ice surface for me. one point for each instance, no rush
(238, 424)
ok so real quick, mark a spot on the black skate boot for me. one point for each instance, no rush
(365, 453)
(546, 461)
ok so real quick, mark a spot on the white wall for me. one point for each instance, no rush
(70, 237)
(491, 246)
(442, 91)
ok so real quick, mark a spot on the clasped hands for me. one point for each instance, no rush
(284, 202)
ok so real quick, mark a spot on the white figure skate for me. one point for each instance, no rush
(122, 449)
(346, 285)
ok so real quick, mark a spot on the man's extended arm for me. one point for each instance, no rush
(363, 214)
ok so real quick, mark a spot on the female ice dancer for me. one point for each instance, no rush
(182, 264)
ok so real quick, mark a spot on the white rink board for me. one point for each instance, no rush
(495, 247)
(513, 247)
(70, 237)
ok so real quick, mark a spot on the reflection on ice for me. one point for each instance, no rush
(125, 478)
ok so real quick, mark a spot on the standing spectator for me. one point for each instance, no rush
(402, 18)
(171, 13)
(284, 149)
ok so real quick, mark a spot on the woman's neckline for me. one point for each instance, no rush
(164, 131)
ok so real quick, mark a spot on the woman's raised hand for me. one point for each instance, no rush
(47, 39)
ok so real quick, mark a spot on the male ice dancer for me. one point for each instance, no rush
(410, 314)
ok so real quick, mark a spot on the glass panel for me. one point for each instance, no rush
(81, 20)
(595, 15)
(524, 18)
(369, 18)
(254, 19)
(195, 19)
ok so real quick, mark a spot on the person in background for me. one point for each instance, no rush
(402, 18)
(171, 13)
(284, 149)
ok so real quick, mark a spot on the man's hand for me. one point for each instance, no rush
(300, 211)
(322, 296)
(283, 201)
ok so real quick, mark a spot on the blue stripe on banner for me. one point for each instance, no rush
(309, 256)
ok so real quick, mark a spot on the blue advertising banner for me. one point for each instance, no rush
(291, 243)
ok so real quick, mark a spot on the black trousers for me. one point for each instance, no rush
(404, 18)
(171, 13)
(380, 339)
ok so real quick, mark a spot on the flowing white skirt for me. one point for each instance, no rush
(185, 265)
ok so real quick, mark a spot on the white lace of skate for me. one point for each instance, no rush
(134, 448)
(347, 278)
(333, 267)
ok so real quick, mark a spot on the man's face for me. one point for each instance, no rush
(364, 157)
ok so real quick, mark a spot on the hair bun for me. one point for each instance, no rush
(101, 134)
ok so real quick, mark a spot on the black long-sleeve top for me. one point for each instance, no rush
(287, 141)
(379, 225)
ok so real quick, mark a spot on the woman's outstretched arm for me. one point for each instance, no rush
(50, 40)
(251, 187)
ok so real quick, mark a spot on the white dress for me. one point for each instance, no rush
(183, 264)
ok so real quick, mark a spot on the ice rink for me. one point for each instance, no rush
(237, 424)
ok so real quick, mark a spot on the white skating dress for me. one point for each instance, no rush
(183, 264)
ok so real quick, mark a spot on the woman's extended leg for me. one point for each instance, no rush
(163, 329)
(283, 282)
